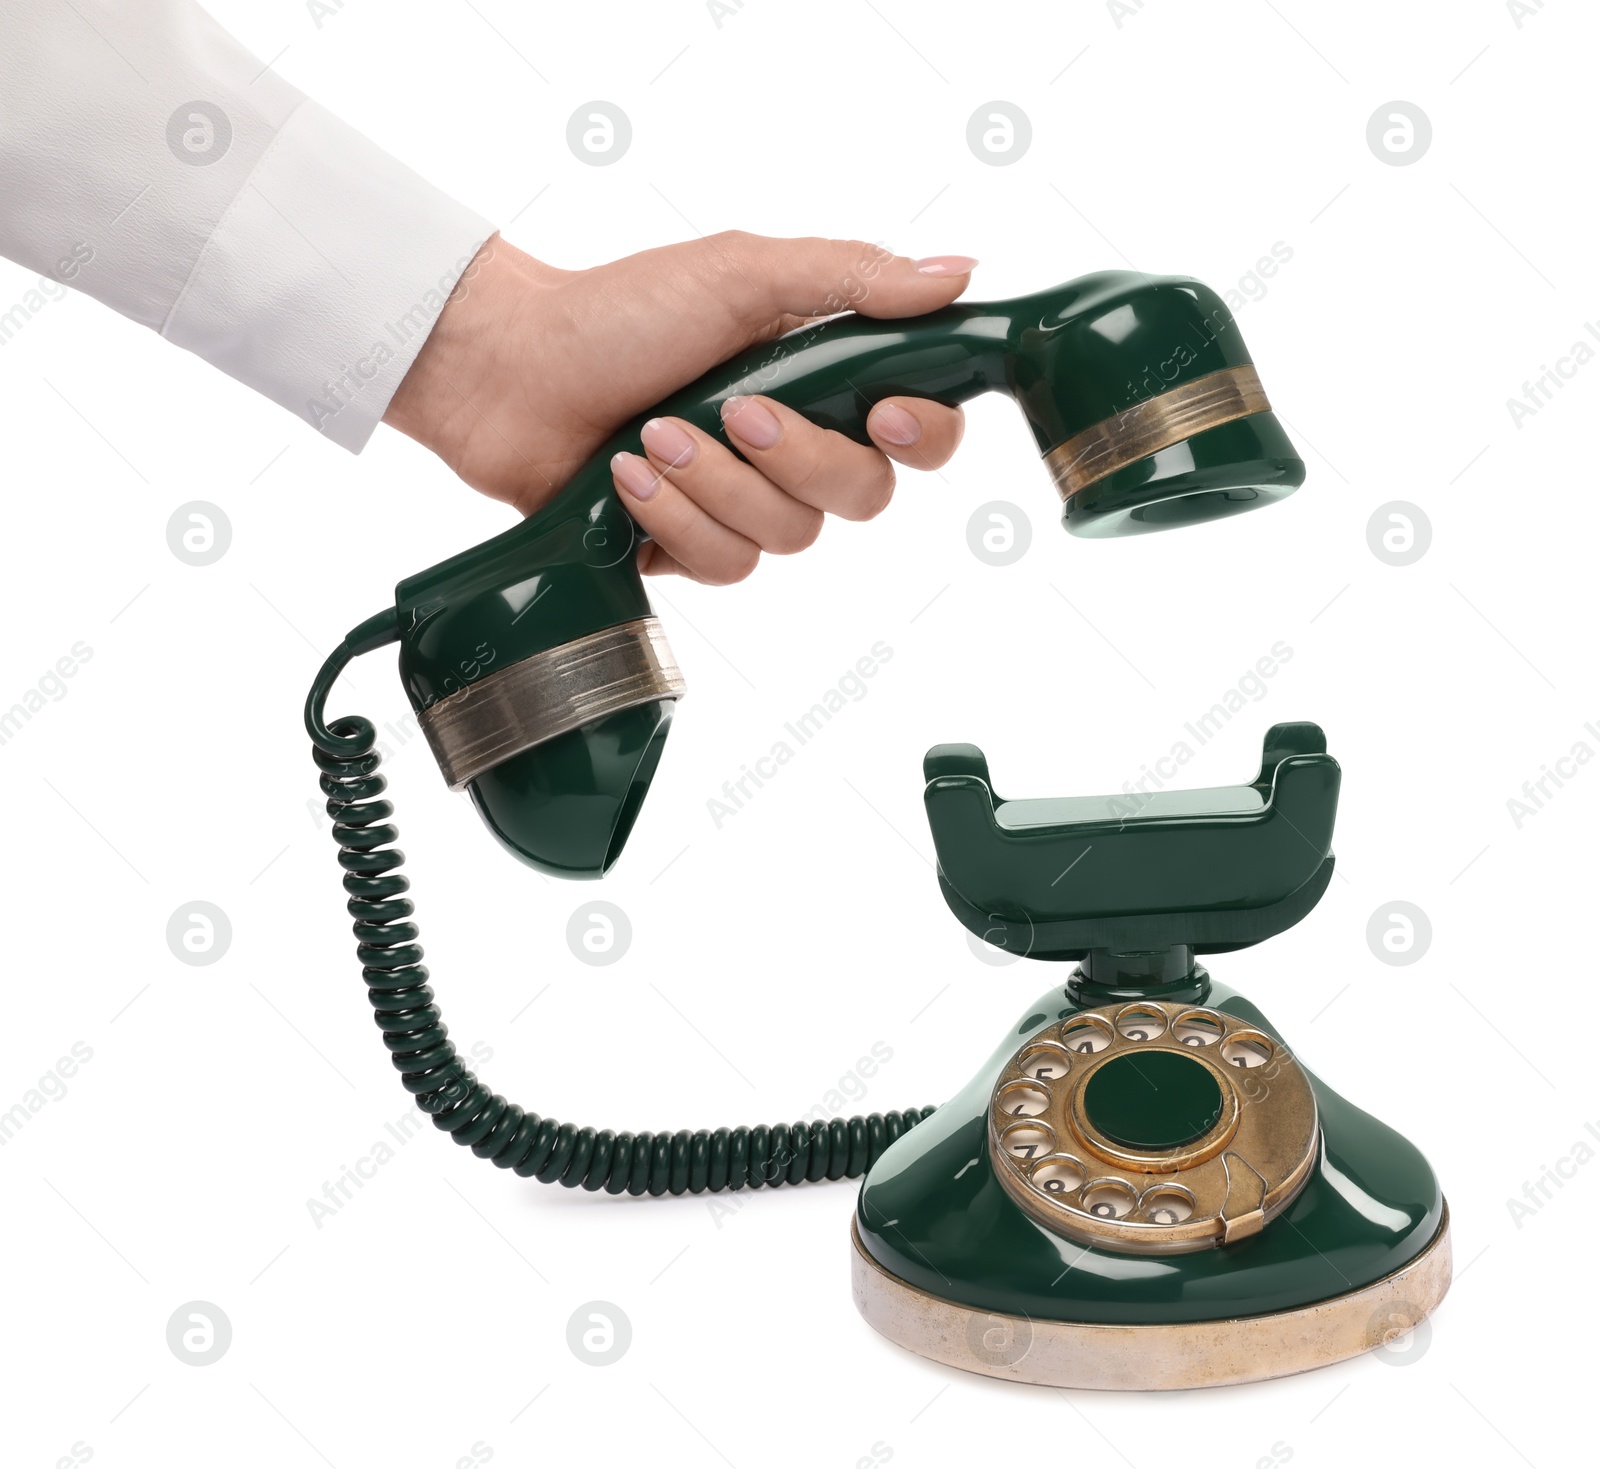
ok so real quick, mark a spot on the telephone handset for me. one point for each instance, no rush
(1053, 1194)
(538, 672)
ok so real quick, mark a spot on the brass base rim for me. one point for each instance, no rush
(1152, 1357)
(1154, 424)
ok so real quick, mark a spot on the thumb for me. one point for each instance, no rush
(769, 278)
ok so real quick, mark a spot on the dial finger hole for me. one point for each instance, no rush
(1028, 1140)
(1109, 1198)
(1086, 1034)
(1059, 1175)
(1166, 1203)
(1045, 1063)
(1197, 1028)
(1247, 1050)
(1023, 1099)
(1140, 1023)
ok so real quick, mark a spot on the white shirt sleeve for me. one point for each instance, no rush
(148, 159)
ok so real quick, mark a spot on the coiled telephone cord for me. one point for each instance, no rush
(446, 1088)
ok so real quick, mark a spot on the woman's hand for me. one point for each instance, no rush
(530, 369)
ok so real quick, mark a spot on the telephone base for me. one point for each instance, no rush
(1001, 1267)
(1153, 1356)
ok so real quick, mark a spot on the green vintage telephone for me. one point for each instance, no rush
(1054, 1222)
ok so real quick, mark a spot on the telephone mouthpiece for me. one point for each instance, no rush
(558, 749)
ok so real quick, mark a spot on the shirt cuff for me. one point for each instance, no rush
(325, 276)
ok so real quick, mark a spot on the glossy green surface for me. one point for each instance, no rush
(1212, 870)
(567, 806)
(1161, 1100)
(1070, 356)
(932, 1212)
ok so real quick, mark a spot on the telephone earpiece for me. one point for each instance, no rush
(543, 681)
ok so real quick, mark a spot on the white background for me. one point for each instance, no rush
(425, 1316)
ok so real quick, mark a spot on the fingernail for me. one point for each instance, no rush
(751, 421)
(945, 265)
(667, 442)
(891, 422)
(636, 475)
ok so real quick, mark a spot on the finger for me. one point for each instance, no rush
(729, 490)
(816, 466)
(703, 547)
(916, 431)
(653, 561)
(768, 278)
